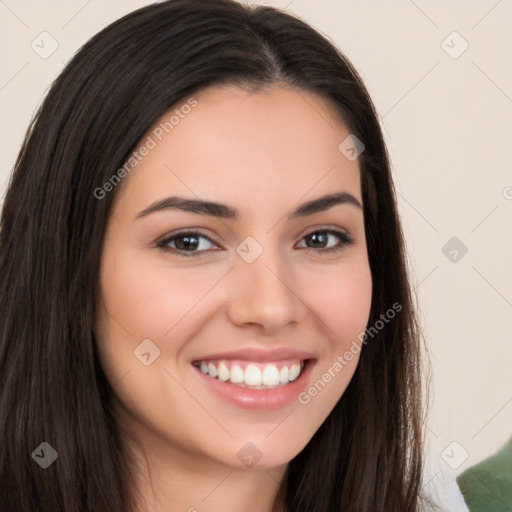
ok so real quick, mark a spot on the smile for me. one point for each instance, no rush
(252, 375)
(262, 386)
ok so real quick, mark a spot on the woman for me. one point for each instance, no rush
(205, 302)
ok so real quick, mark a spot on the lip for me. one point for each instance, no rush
(258, 355)
(259, 399)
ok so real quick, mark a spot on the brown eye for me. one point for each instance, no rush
(321, 238)
(186, 242)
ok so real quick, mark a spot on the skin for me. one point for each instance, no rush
(263, 153)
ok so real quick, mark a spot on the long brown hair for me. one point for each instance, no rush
(367, 456)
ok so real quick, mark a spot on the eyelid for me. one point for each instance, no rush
(186, 231)
(323, 227)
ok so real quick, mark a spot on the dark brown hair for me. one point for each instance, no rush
(367, 456)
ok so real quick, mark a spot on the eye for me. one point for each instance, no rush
(195, 242)
(322, 237)
(186, 242)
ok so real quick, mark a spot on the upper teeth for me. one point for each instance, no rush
(254, 374)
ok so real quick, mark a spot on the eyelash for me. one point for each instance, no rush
(346, 240)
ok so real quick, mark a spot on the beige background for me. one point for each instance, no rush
(447, 124)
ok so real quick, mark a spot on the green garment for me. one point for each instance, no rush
(487, 486)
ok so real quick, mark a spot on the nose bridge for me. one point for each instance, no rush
(264, 286)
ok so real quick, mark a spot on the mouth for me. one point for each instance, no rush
(252, 374)
(256, 386)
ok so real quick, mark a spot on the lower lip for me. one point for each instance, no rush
(260, 399)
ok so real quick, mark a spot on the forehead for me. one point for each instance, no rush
(276, 143)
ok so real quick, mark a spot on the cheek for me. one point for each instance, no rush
(149, 299)
(143, 300)
(341, 299)
(342, 302)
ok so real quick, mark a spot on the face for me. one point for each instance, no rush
(274, 282)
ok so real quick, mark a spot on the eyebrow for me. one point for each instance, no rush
(223, 211)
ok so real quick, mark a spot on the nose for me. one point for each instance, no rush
(265, 293)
